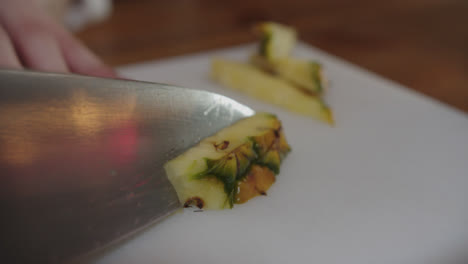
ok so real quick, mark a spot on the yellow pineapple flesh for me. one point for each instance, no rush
(252, 81)
(277, 40)
(305, 74)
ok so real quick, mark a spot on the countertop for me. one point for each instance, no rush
(422, 44)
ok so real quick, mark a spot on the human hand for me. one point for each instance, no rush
(30, 39)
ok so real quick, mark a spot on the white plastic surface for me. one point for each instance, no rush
(387, 184)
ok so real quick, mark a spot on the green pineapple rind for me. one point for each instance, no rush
(233, 167)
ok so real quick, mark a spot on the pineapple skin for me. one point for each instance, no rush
(232, 166)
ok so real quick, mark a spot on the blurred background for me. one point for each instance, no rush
(422, 44)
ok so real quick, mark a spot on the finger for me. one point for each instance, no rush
(37, 47)
(80, 59)
(8, 58)
(30, 31)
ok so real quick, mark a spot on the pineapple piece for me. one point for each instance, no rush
(232, 166)
(277, 40)
(302, 73)
(248, 79)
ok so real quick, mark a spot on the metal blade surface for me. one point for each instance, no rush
(81, 158)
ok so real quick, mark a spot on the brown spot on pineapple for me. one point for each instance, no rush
(277, 132)
(221, 146)
(194, 201)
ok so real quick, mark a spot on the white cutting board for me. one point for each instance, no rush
(387, 184)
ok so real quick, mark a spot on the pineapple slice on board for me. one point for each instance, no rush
(306, 74)
(276, 44)
(250, 80)
(277, 40)
(232, 166)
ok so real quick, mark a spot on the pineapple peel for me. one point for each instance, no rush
(233, 166)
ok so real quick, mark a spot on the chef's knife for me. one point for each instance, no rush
(81, 158)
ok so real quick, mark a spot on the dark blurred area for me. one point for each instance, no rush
(422, 44)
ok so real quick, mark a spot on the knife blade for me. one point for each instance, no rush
(81, 158)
